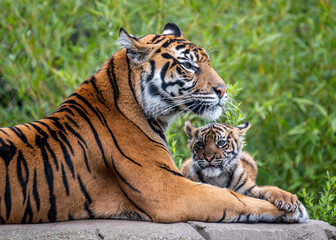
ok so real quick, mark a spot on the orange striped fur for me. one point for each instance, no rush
(103, 153)
(218, 159)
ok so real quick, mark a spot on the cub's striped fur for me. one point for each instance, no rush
(103, 153)
(218, 159)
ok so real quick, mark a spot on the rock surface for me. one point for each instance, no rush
(117, 229)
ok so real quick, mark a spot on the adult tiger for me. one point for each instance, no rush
(102, 153)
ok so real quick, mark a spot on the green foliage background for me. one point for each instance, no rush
(278, 58)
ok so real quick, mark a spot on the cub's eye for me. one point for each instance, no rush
(200, 144)
(221, 143)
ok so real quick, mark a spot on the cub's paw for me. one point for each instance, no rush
(282, 200)
(298, 216)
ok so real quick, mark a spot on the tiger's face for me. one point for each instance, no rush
(215, 147)
(174, 75)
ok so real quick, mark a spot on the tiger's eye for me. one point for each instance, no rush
(200, 144)
(187, 65)
(221, 143)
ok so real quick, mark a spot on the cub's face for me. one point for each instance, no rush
(175, 75)
(215, 147)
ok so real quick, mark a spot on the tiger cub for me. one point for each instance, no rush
(218, 159)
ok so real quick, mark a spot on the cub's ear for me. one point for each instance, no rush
(136, 51)
(242, 128)
(189, 129)
(172, 29)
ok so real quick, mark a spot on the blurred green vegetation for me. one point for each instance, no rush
(278, 58)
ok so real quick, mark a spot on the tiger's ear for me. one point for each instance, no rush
(242, 128)
(172, 29)
(136, 51)
(189, 129)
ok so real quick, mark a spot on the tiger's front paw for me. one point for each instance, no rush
(297, 216)
(283, 200)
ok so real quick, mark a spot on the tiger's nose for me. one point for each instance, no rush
(220, 91)
(209, 158)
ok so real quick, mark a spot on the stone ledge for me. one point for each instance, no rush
(118, 229)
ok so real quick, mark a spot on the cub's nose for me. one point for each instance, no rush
(209, 158)
(220, 91)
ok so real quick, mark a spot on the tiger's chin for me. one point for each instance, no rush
(212, 171)
(212, 113)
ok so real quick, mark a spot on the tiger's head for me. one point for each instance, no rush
(173, 75)
(215, 147)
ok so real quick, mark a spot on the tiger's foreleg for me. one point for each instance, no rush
(282, 199)
(172, 198)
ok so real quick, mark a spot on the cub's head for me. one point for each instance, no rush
(215, 147)
(172, 75)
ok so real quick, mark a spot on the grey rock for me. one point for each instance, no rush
(312, 229)
(118, 229)
(98, 230)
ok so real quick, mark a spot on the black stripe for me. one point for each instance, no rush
(152, 71)
(87, 196)
(38, 129)
(165, 167)
(89, 211)
(168, 56)
(35, 192)
(65, 152)
(7, 152)
(223, 217)
(101, 115)
(236, 197)
(72, 121)
(48, 172)
(156, 37)
(117, 145)
(21, 135)
(238, 218)
(100, 96)
(164, 71)
(73, 102)
(248, 217)
(2, 221)
(85, 157)
(230, 179)
(83, 189)
(4, 132)
(160, 40)
(64, 138)
(112, 81)
(200, 177)
(135, 204)
(88, 104)
(248, 191)
(178, 47)
(238, 181)
(242, 184)
(8, 198)
(27, 213)
(123, 179)
(75, 133)
(167, 43)
(83, 115)
(22, 170)
(56, 122)
(65, 109)
(65, 180)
